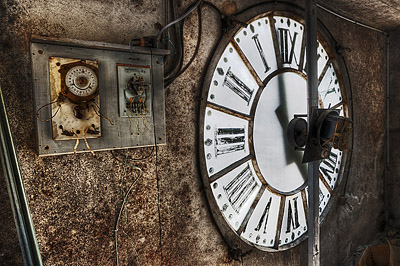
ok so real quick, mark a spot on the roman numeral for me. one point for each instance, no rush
(287, 42)
(228, 140)
(328, 165)
(237, 86)
(293, 216)
(240, 188)
(261, 52)
(321, 196)
(264, 216)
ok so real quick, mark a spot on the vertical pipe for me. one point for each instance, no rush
(313, 177)
(16, 192)
(387, 161)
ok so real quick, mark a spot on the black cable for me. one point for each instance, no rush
(144, 158)
(168, 77)
(157, 177)
(192, 7)
(182, 70)
(199, 36)
(178, 37)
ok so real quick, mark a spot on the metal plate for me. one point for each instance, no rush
(125, 73)
(120, 135)
(64, 119)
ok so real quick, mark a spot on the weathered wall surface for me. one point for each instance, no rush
(362, 216)
(74, 199)
(393, 183)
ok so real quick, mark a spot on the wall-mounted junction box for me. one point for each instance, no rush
(106, 95)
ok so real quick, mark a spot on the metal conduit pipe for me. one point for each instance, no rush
(16, 192)
(387, 96)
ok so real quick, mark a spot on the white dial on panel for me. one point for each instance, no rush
(81, 81)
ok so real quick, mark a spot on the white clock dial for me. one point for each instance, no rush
(294, 222)
(284, 95)
(235, 193)
(256, 180)
(81, 81)
(259, 49)
(329, 89)
(225, 140)
(289, 35)
(329, 168)
(233, 86)
(262, 226)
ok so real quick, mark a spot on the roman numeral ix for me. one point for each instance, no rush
(287, 42)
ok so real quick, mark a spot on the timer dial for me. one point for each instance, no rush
(81, 81)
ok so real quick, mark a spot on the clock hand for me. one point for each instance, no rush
(283, 117)
(328, 91)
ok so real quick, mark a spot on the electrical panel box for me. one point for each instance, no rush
(91, 96)
(134, 87)
(74, 90)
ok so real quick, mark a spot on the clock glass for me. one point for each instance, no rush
(81, 81)
(256, 183)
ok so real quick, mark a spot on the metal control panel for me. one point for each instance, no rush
(92, 96)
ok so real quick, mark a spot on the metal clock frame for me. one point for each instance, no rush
(297, 13)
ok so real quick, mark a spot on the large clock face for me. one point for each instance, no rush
(256, 183)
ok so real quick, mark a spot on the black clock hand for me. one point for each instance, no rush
(283, 117)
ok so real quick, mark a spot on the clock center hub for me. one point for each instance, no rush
(284, 96)
(82, 81)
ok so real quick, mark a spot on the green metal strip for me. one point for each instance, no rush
(16, 191)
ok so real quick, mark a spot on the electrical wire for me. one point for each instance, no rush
(170, 79)
(179, 43)
(95, 105)
(123, 207)
(50, 103)
(350, 20)
(144, 158)
(182, 70)
(191, 9)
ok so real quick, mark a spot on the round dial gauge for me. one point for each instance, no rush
(81, 81)
(256, 183)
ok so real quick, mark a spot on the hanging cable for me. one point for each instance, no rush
(178, 55)
(182, 70)
(191, 9)
(350, 20)
(169, 80)
(123, 207)
(144, 158)
(50, 103)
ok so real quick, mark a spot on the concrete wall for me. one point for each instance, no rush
(393, 181)
(74, 199)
